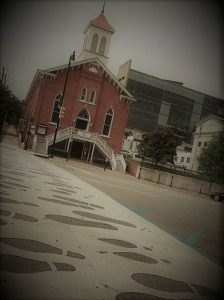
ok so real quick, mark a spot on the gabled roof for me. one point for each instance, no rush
(125, 95)
(100, 21)
(208, 117)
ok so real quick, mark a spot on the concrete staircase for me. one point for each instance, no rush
(40, 145)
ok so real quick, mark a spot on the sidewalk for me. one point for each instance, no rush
(63, 239)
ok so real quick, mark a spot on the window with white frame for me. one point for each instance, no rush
(108, 122)
(175, 158)
(94, 42)
(102, 45)
(188, 159)
(56, 108)
(83, 94)
(92, 97)
(205, 144)
(182, 159)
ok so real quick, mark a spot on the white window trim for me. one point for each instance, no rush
(83, 100)
(110, 123)
(93, 98)
(53, 109)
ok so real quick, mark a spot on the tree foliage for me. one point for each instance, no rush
(10, 106)
(160, 145)
(211, 160)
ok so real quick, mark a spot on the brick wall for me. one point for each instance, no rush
(107, 96)
(132, 168)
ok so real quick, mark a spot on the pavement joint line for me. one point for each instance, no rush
(171, 194)
(147, 187)
(119, 187)
(193, 247)
(195, 235)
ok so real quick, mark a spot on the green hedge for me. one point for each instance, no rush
(100, 161)
(58, 152)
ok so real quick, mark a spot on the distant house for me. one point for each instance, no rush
(206, 128)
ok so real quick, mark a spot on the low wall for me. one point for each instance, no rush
(132, 168)
(177, 181)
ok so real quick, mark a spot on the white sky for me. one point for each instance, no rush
(174, 40)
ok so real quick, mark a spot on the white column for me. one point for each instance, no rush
(92, 153)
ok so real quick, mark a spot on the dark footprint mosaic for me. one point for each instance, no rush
(101, 218)
(64, 267)
(165, 261)
(3, 222)
(18, 264)
(161, 283)
(204, 291)
(5, 212)
(58, 201)
(119, 243)
(96, 206)
(16, 184)
(25, 218)
(58, 184)
(79, 222)
(86, 207)
(70, 200)
(75, 255)
(5, 186)
(68, 191)
(31, 245)
(137, 257)
(3, 176)
(61, 192)
(138, 296)
(11, 201)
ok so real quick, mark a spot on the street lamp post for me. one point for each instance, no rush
(141, 167)
(29, 133)
(72, 57)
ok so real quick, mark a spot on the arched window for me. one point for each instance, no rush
(108, 122)
(83, 94)
(83, 114)
(56, 108)
(102, 45)
(82, 121)
(92, 97)
(94, 42)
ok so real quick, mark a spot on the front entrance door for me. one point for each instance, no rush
(77, 148)
(81, 124)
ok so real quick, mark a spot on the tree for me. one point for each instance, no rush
(160, 145)
(10, 106)
(211, 160)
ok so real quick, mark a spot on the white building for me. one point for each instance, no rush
(206, 128)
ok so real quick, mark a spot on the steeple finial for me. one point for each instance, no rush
(103, 7)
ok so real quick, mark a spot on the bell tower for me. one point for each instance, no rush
(98, 34)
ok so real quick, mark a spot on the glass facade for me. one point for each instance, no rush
(161, 103)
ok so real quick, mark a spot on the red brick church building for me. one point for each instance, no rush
(96, 103)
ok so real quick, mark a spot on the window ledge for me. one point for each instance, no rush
(105, 136)
(53, 123)
(86, 102)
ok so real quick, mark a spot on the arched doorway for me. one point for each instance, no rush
(82, 121)
(78, 147)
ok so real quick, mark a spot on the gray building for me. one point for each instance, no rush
(165, 103)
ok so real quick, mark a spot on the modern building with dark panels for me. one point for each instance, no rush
(165, 103)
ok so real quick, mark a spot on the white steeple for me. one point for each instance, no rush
(98, 33)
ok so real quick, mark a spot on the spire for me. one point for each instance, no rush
(103, 7)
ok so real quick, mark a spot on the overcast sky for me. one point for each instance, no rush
(174, 40)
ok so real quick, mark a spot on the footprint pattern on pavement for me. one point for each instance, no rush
(79, 222)
(18, 216)
(101, 218)
(18, 264)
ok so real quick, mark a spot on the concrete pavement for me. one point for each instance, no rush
(63, 239)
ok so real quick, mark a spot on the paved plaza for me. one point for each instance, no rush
(61, 238)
